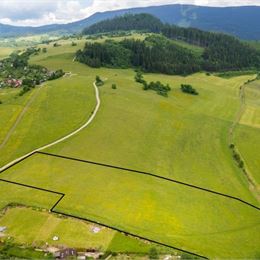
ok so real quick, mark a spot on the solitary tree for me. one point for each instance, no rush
(99, 81)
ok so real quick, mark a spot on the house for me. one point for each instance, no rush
(3, 229)
(16, 83)
(65, 253)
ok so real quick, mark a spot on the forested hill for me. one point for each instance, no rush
(220, 52)
(155, 54)
(128, 22)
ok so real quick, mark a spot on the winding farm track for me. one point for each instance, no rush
(63, 138)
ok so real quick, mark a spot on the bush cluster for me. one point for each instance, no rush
(186, 88)
(157, 86)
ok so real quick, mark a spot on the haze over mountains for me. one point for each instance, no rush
(243, 22)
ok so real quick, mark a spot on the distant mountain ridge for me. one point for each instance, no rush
(243, 22)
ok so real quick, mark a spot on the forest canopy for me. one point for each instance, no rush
(159, 53)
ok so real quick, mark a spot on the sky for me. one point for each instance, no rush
(41, 12)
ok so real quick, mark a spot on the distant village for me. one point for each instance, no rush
(16, 72)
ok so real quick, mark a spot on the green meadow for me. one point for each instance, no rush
(181, 137)
(180, 216)
(38, 227)
(33, 225)
(43, 122)
(247, 133)
(14, 194)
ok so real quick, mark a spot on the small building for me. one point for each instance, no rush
(65, 253)
(95, 230)
(3, 229)
(55, 238)
(15, 83)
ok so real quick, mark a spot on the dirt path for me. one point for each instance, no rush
(63, 138)
(19, 118)
(253, 186)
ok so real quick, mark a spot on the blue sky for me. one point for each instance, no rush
(40, 12)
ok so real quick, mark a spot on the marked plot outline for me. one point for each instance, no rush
(65, 199)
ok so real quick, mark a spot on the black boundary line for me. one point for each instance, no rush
(152, 175)
(96, 222)
(26, 157)
(124, 169)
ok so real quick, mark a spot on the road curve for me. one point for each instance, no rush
(63, 138)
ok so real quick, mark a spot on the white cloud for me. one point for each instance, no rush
(39, 12)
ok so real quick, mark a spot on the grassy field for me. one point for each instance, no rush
(59, 107)
(5, 52)
(247, 134)
(11, 107)
(36, 227)
(159, 210)
(33, 227)
(182, 137)
(14, 194)
(195, 49)
(141, 130)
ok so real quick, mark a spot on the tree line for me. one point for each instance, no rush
(155, 54)
(221, 52)
(127, 22)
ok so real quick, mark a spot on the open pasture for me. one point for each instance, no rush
(57, 108)
(247, 133)
(160, 210)
(181, 137)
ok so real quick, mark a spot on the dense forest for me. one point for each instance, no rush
(158, 54)
(128, 22)
(155, 54)
(222, 52)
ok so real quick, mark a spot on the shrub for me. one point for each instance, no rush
(139, 77)
(24, 90)
(186, 88)
(56, 74)
(153, 254)
(99, 81)
(114, 86)
(56, 44)
(157, 86)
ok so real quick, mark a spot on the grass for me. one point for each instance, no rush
(14, 194)
(194, 48)
(181, 137)
(59, 107)
(32, 227)
(141, 130)
(247, 134)
(125, 244)
(5, 52)
(159, 210)
(231, 74)
(11, 107)
(36, 227)
(254, 44)
(15, 252)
